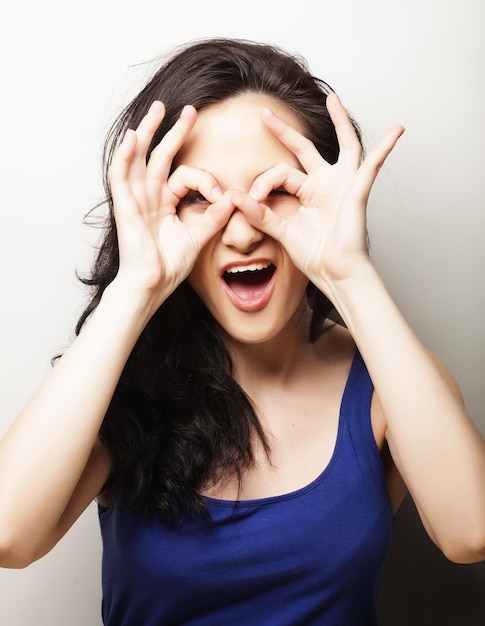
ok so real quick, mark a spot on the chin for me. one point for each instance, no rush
(257, 332)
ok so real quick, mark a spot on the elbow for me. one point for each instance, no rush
(15, 553)
(467, 556)
(459, 536)
(11, 560)
(469, 548)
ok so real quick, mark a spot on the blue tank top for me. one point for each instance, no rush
(310, 557)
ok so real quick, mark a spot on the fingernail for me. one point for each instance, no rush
(156, 104)
(254, 193)
(187, 107)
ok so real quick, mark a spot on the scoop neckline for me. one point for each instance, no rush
(252, 502)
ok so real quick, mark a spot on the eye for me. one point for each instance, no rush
(279, 191)
(193, 197)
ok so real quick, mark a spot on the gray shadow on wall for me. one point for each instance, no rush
(420, 587)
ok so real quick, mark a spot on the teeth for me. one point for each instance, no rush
(252, 267)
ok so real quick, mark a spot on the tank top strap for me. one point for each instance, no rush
(356, 417)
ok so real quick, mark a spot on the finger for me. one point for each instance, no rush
(120, 167)
(368, 171)
(162, 155)
(144, 135)
(298, 144)
(260, 215)
(185, 179)
(155, 172)
(279, 176)
(349, 144)
(148, 126)
(123, 156)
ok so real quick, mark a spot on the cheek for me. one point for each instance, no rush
(296, 282)
(199, 277)
(299, 286)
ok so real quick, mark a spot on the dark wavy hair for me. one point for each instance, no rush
(178, 420)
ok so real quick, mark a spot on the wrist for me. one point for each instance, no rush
(357, 293)
(130, 303)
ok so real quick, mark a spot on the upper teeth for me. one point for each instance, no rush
(252, 267)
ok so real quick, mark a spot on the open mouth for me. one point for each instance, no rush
(249, 282)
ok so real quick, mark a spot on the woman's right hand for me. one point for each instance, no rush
(157, 250)
(51, 453)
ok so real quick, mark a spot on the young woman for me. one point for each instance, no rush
(243, 396)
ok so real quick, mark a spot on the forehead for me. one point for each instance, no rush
(229, 137)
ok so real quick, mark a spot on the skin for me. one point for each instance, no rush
(211, 148)
(297, 386)
(317, 232)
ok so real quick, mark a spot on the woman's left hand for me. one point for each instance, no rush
(326, 236)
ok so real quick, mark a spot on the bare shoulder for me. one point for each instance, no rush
(378, 417)
(395, 484)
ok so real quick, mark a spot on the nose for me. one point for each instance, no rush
(239, 234)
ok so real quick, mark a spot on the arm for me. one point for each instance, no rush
(51, 463)
(436, 447)
(47, 450)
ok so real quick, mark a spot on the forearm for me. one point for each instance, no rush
(44, 453)
(438, 450)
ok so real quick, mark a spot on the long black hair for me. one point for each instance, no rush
(178, 420)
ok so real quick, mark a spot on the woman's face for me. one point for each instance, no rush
(245, 278)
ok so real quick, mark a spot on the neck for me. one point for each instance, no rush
(276, 360)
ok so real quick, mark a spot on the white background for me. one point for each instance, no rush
(67, 69)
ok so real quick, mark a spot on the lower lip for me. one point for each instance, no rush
(250, 305)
